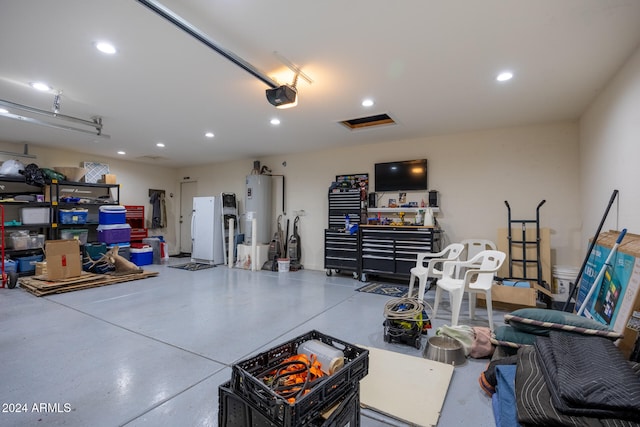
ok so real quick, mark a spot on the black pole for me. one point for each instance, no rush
(538, 240)
(509, 238)
(574, 286)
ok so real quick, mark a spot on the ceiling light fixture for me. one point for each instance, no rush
(209, 135)
(43, 87)
(160, 144)
(122, 153)
(367, 103)
(106, 47)
(504, 76)
(275, 122)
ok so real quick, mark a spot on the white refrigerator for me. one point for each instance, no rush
(206, 231)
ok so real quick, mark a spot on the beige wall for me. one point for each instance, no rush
(474, 173)
(610, 153)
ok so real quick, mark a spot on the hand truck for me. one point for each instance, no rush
(526, 261)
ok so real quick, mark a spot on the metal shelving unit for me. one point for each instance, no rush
(10, 187)
(91, 196)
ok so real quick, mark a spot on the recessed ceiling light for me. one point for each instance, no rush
(40, 86)
(275, 121)
(3, 111)
(122, 153)
(106, 47)
(504, 76)
(367, 103)
(160, 144)
(209, 135)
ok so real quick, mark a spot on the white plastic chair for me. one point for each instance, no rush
(422, 272)
(475, 246)
(472, 248)
(478, 277)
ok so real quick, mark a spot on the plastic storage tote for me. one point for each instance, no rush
(28, 263)
(26, 241)
(73, 216)
(34, 215)
(80, 234)
(10, 266)
(109, 215)
(114, 233)
(143, 256)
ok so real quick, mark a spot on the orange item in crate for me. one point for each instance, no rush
(294, 377)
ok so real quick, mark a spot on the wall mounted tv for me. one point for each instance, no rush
(407, 175)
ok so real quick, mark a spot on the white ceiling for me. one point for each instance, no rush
(429, 64)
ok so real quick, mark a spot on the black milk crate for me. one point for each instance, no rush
(328, 391)
(235, 411)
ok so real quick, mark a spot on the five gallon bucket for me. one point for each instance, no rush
(563, 277)
(283, 265)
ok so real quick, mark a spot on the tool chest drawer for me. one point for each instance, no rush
(341, 251)
(393, 250)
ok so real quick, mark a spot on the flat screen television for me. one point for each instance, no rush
(407, 175)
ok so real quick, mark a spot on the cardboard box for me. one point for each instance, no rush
(63, 259)
(108, 178)
(617, 295)
(511, 298)
(41, 268)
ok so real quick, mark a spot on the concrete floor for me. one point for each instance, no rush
(153, 352)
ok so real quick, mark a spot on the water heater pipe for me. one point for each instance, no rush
(254, 231)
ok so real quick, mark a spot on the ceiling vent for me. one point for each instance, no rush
(367, 122)
(151, 157)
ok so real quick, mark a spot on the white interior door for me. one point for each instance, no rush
(187, 193)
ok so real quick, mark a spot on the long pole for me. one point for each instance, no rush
(574, 286)
(598, 278)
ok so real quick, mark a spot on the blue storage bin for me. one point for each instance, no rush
(10, 266)
(142, 256)
(73, 216)
(27, 263)
(109, 215)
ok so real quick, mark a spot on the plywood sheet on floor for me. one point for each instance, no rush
(408, 388)
(40, 286)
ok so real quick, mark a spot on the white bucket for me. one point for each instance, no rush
(563, 277)
(283, 265)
